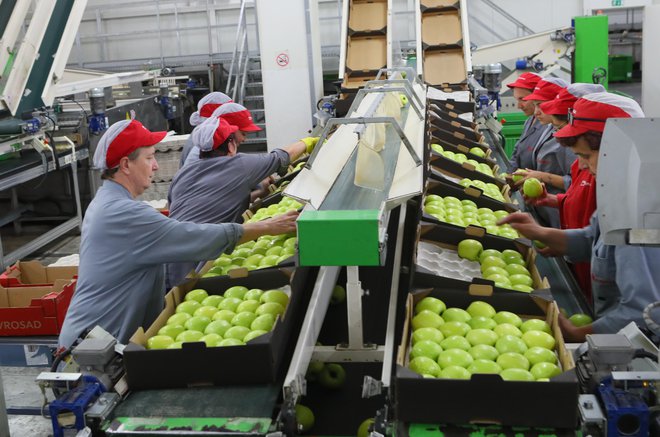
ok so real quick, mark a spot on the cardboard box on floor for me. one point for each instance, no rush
(258, 362)
(488, 398)
(35, 310)
(35, 273)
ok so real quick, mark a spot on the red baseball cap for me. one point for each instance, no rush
(547, 89)
(526, 80)
(121, 139)
(568, 96)
(592, 111)
(207, 105)
(237, 115)
(212, 133)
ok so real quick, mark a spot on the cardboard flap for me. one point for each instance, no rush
(478, 289)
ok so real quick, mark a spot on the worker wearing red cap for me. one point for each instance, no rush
(125, 243)
(551, 163)
(532, 130)
(579, 202)
(205, 108)
(625, 279)
(218, 186)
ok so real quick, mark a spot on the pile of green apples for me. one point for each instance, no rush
(461, 158)
(465, 212)
(454, 343)
(285, 205)
(231, 319)
(506, 268)
(266, 251)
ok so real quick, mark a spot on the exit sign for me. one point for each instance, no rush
(617, 2)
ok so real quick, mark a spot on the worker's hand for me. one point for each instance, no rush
(524, 224)
(528, 173)
(310, 142)
(572, 333)
(403, 99)
(281, 224)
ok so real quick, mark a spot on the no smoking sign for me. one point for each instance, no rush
(282, 60)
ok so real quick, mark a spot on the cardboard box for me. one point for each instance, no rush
(439, 4)
(454, 126)
(456, 138)
(366, 53)
(453, 106)
(367, 16)
(451, 116)
(258, 362)
(441, 188)
(35, 273)
(444, 66)
(448, 237)
(487, 398)
(442, 28)
(463, 149)
(354, 81)
(454, 169)
(439, 176)
(35, 310)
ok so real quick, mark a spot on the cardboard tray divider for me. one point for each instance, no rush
(464, 170)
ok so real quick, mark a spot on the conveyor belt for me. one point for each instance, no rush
(30, 158)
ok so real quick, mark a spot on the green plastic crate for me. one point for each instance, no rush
(512, 127)
(620, 68)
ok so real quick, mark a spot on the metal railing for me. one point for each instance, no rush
(237, 76)
(520, 26)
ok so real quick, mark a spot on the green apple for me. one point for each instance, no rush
(518, 175)
(509, 254)
(222, 261)
(283, 258)
(481, 336)
(481, 322)
(217, 327)
(425, 348)
(237, 332)
(507, 317)
(159, 342)
(253, 294)
(432, 304)
(470, 249)
(455, 342)
(273, 308)
(277, 296)
(456, 315)
(430, 334)
(290, 243)
(580, 319)
(454, 328)
(229, 303)
(225, 315)
(492, 261)
(491, 229)
(535, 325)
(465, 182)
(431, 208)
(230, 342)
(478, 151)
(454, 372)
(538, 354)
(254, 334)
(455, 357)
(532, 188)
(522, 288)
(205, 311)
(237, 291)
(539, 339)
(178, 318)
(514, 374)
(171, 330)
(197, 323)
(175, 345)
(507, 329)
(517, 269)
(263, 322)
(468, 202)
(189, 336)
(197, 295)
(338, 295)
(212, 301)
(211, 340)
(304, 417)
(365, 426)
(451, 200)
(513, 360)
(471, 209)
(489, 252)
(274, 251)
(521, 279)
(484, 352)
(243, 252)
(479, 308)
(253, 260)
(268, 261)
(498, 279)
(500, 214)
(544, 370)
(333, 376)
(188, 306)
(510, 343)
(247, 305)
(494, 270)
(424, 366)
(427, 319)
(244, 318)
(432, 198)
(484, 366)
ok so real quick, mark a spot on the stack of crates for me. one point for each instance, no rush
(620, 68)
(512, 127)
